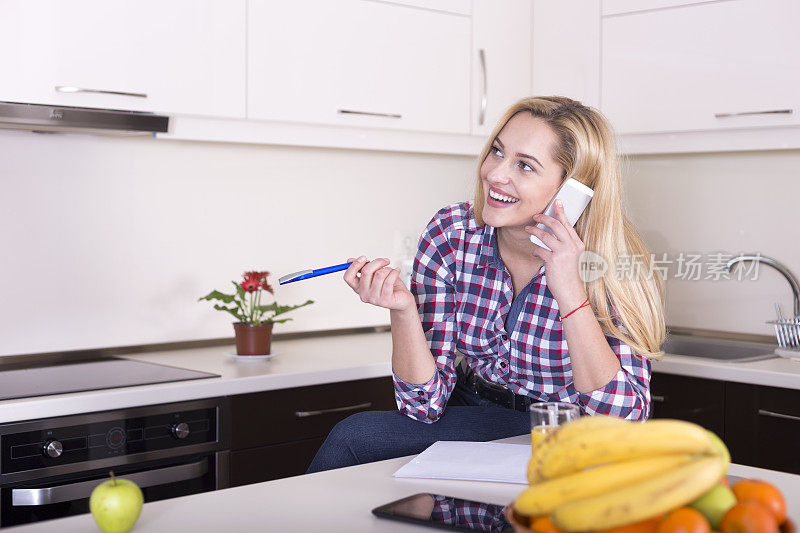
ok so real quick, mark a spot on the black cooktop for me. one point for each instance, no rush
(42, 379)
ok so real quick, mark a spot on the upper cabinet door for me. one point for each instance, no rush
(360, 63)
(501, 59)
(566, 57)
(176, 57)
(719, 65)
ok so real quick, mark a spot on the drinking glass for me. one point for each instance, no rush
(547, 416)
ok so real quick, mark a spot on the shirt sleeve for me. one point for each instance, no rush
(433, 286)
(627, 395)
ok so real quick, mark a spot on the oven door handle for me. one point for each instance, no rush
(83, 489)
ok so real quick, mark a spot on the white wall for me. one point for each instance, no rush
(729, 202)
(109, 241)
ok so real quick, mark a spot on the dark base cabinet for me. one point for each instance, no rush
(265, 463)
(760, 425)
(275, 434)
(697, 400)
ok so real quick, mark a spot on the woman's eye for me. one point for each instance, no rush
(525, 166)
(496, 151)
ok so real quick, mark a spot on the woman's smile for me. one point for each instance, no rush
(499, 199)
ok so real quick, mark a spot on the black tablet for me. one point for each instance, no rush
(445, 512)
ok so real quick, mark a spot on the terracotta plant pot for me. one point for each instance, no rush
(253, 340)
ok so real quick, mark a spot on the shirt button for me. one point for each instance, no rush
(423, 401)
(431, 416)
(502, 364)
(420, 393)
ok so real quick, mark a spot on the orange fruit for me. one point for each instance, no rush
(765, 493)
(645, 526)
(684, 520)
(542, 524)
(749, 517)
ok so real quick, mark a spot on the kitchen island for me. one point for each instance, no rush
(337, 500)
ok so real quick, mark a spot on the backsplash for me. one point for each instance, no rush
(725, 203)
(109, 241)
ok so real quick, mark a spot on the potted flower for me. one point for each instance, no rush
(253, 328)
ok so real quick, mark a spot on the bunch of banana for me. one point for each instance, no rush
(600, 472)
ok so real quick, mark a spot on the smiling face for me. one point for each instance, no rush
(519, 175)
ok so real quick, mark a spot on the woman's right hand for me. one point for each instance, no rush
(378, 284)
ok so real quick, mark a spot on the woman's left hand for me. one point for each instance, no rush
(561, 264)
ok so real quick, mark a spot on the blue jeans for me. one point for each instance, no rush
(377, 435)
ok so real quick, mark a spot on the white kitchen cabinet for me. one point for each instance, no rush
(705, 67)
(501, 59)
(566, 57)
(615, 7)
(360, 63)
(176, 57)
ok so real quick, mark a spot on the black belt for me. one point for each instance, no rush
(493, 392)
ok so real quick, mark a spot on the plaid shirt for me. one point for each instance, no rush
(464, 295)
(465, 513)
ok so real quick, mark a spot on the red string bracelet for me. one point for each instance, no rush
(584, 304)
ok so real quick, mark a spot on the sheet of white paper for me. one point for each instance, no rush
(472, 461)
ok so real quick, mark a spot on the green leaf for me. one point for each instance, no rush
(281, 321)
(281, 309)
(232, 311)
(216, 295)
(239, 290)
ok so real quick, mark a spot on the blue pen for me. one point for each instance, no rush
(305, 274)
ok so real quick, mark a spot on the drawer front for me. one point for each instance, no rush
(266, 463)
(697, 400)
(763, 426)
(279, 416)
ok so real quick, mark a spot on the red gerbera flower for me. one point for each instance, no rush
(266, 287)
(252, 281)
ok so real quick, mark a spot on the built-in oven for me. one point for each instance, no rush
(49, 467)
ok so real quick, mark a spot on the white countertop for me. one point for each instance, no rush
(318, 360)
(297, 363)
(336, 500)
(776, 372)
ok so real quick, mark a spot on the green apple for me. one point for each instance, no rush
(115, 505)
(715, 503)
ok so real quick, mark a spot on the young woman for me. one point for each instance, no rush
(530, 328)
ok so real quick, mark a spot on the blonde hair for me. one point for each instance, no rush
(587, 152)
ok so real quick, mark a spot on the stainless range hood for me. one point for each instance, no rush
(38, 117)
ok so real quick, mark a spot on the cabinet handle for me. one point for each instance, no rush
(303, 414)
(482, 115)
(748, 113)
(351, 112)
(657, 398)
(764, 412)
(71, 89)
(82, 489)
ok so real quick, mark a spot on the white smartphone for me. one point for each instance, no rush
(575, 196)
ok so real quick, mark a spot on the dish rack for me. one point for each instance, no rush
(787, 332)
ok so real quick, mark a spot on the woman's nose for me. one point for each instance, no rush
(498, 174)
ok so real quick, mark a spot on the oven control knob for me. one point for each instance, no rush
(53, 448)
(180, 430)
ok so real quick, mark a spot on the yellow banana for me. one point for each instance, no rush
(630, 441)
(541, 498)
(643, 500)
(579, 426)
(721, 449)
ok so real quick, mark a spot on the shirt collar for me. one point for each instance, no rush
(489, 253)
